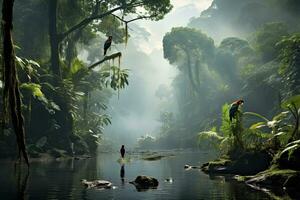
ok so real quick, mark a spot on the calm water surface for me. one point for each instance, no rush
(61, 180)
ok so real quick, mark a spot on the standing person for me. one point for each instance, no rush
(122, 151)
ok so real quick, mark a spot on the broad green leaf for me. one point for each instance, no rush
(32, 62)
(258, 125)
(257, 115)
(280, 133)
(34, 88)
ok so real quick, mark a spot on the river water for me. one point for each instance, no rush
(61, 180)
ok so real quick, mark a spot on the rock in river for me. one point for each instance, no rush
(188, 167)
(143, 183)
(100, 184)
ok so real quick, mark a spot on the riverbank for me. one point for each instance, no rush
(277, 175)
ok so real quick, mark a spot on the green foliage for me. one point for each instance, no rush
(289, 57)
(67, 81)
(31, 75)
(294, 100)
(236, 137)
(282, 130)
(290, 147)
(209, 140)
(226, 124)
(267, 37)
(231, 138)
(255, 139)
(118, 78)
(235, 46)
(34, 88)
(260, 64)
(293, 104)
(182, 40)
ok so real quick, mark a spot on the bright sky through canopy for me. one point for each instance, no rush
(179, 16)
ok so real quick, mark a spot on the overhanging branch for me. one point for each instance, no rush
(134, 19)
(86, 21)
(95, 16)
(110, 57)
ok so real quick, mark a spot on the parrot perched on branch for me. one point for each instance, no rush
(107, 44)
(234, 108)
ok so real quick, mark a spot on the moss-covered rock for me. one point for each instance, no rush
(248, 163)
(217, 166)
(145, 182)
(153, 156)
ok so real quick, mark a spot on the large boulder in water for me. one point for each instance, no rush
(145, 182)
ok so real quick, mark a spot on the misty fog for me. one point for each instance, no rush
(137, 110)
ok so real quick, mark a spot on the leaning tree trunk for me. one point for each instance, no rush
(11, 92)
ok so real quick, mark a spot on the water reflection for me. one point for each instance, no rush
(61, 180)
(122, 174)
(22, 182)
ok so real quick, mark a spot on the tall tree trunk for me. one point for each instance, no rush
(61, 137)
(53, 36)
(197, 73)
(11, 92)
(190, 72)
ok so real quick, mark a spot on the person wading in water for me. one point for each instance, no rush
(122, 151)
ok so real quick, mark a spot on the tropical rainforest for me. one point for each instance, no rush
(57, 86)
(53, 86)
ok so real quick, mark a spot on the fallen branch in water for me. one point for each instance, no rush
(110, 57)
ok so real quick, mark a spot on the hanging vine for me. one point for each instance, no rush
(126, 34)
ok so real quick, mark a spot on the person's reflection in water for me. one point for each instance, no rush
(122, 173)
